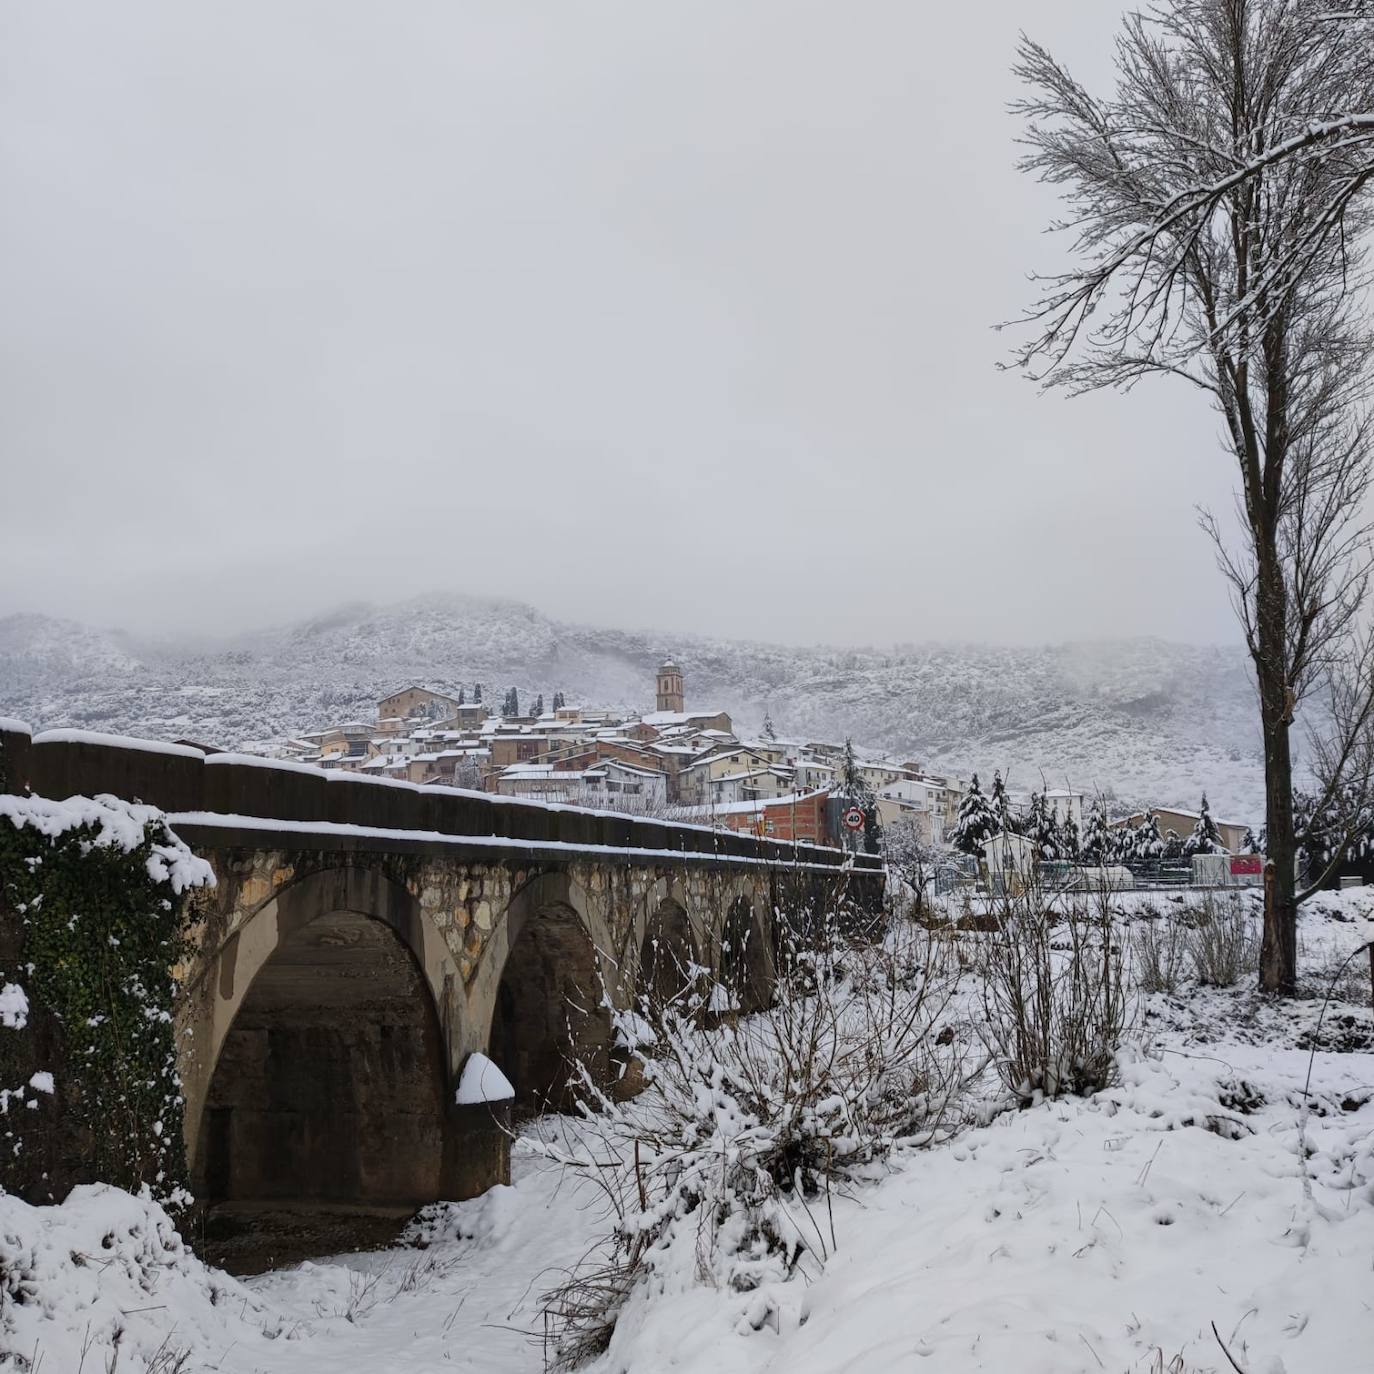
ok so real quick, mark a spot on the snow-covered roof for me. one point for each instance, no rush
(745, 776)
(622, 767)
(717, 757)
(758, 805)
(678, 717)
(533, 772)
(1190, 815)
(418, 687)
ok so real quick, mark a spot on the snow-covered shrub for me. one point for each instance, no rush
(719, 1170)
(91, 893)
(1159, 945)
(102, 1281)
(1222, 942)
(1055, 1001)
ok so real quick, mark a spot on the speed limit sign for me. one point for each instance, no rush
(853, 819)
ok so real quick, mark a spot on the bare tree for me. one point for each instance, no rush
(1197, 258)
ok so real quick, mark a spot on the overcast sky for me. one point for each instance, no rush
(671, 315)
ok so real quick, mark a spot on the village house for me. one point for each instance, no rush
(414, 700)
(1182, 822)
(602, 784)
(696, 781)
(794, 817)
(340, 741)
(1064, 805)
(810, 775)
(468, 716)
(614, 777)
(546, 781)
(511, 748)
(919, 800)
(877, 776)
(753, 785)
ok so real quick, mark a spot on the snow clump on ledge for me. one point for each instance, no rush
(147, 746)
(482, 1081)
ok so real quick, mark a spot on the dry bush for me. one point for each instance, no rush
(1223, 942)
(1055, 1001)
(1159, 946)
(721, 1170)
(1342, 979)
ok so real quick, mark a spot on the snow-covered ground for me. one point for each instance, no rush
(1108, 1234)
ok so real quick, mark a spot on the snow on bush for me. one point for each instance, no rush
(109, 823)
(104, 1278)
(722, 1170)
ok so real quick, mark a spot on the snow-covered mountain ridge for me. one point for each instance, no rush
(1151, 720)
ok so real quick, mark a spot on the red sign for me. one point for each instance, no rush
(1246, 863)
(853, 819)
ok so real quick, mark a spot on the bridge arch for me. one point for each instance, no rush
(667, 952)
(328, 1029)
(548, 983)
(745, 962)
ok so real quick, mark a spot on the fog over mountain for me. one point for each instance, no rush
(1149, 720)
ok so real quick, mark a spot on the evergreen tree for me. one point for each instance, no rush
(850, 780)
(768, 731)
(510, 707)
(1173, 846)
(558, 701)
(1001, 807)
(1206, 838)
(1068, 839)
(854, 789)
(976, 823)
(477, 694)
(538, 706)
(462, 696)
(1249, 845)
(873, 829)
(1148, 846)
(1041, 830)
(1098, 846)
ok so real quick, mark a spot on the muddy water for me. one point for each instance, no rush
(250, 1238)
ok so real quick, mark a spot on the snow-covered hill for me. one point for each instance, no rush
(1152, 721)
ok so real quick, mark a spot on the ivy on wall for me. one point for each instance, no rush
(92, 893)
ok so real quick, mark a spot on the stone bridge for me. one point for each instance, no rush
(364, 938)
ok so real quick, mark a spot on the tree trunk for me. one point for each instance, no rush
(1279, 950)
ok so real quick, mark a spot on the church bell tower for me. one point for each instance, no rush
(670, 687)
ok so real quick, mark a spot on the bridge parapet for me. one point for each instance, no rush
(180, 779)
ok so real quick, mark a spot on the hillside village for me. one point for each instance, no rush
(687, 763)
(691, 763)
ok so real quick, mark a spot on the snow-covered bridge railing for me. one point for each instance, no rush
(180, 779)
